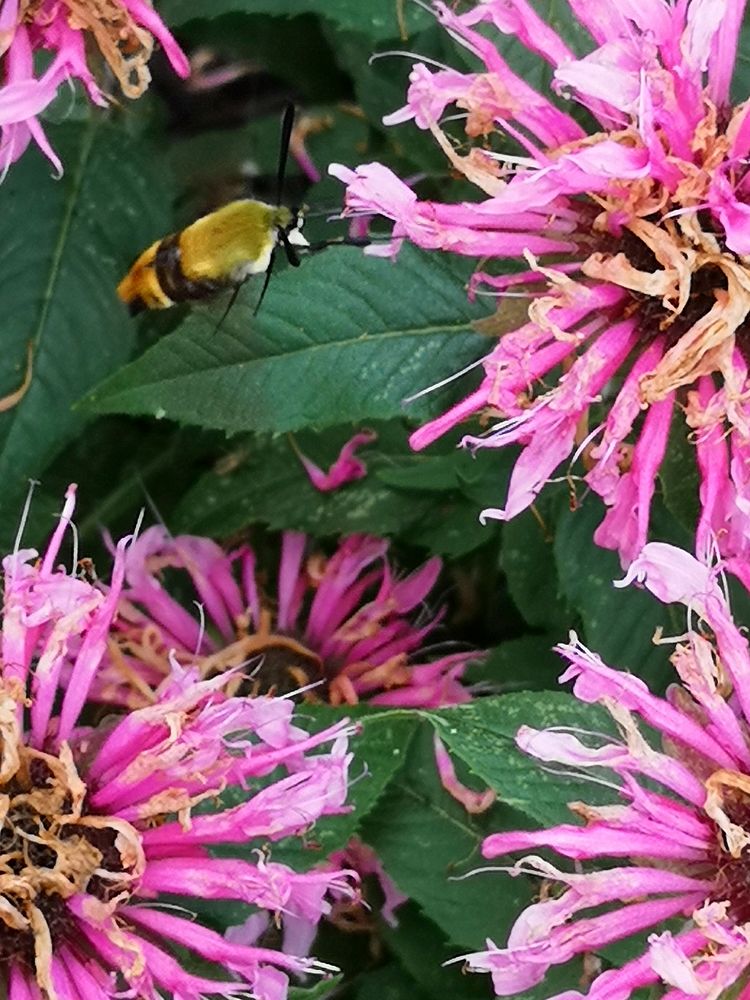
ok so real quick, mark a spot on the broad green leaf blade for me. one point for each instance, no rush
(678, 475)
(64, 246)
(321, 989)
(263, 480)
(121, 466)
(425, 840)
(344, 338)
(527, 662)
(482, 734)
(378, 20)
(389, 982)
(619, 623)
(528, 559)
(423, 951)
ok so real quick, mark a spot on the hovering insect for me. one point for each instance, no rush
(220, 250)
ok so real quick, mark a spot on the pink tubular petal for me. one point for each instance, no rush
(21, 985)
(92, 649)
(144, 587)
(619, 984)
(732, 212)
(549, 426)
(290, 582)
(145, 15)
(724, 50)
(211, 945)
(8, 24)
(712, 453)
(550, 125)
(519, 18)
(605, 475)
(528, 963)
(607, 23)
(473, 802)
(672, 574)
(565, 748)
(346, 468)
(595, 681)
(597, 840)
(625, 526)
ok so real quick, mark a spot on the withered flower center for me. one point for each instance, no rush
(125, 47)
(729, 806)
(51, 850)
(669, 254)
(267, 662)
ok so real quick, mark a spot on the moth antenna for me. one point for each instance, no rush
(287, 124)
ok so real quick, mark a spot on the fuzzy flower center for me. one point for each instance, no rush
(124, 45)
(50, 850)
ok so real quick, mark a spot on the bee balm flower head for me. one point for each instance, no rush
(345, 624)
(633, 239)
(99, 820)
(680, 833)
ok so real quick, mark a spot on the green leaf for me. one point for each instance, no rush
(121, 466)
(525, 662)
(453, 529)
(376, 20)
(619, 623)
(678, 475)
(321, 989)
(346, 338)
(262, 480)
(425, 840)
(423, 949)
(482, 734)
(529, 564)
(389, 982)
(65, 245)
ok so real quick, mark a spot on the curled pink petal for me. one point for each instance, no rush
(346, 469)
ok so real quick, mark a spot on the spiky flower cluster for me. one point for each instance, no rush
(679, 836)
(100, 819)
(633, 240)
(338, 629)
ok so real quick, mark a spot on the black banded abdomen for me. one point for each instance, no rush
(168, 265)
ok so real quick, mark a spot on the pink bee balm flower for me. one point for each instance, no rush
(342, 628)
(680, 834)
(634, 240)
(123, 32)
(98, 822)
